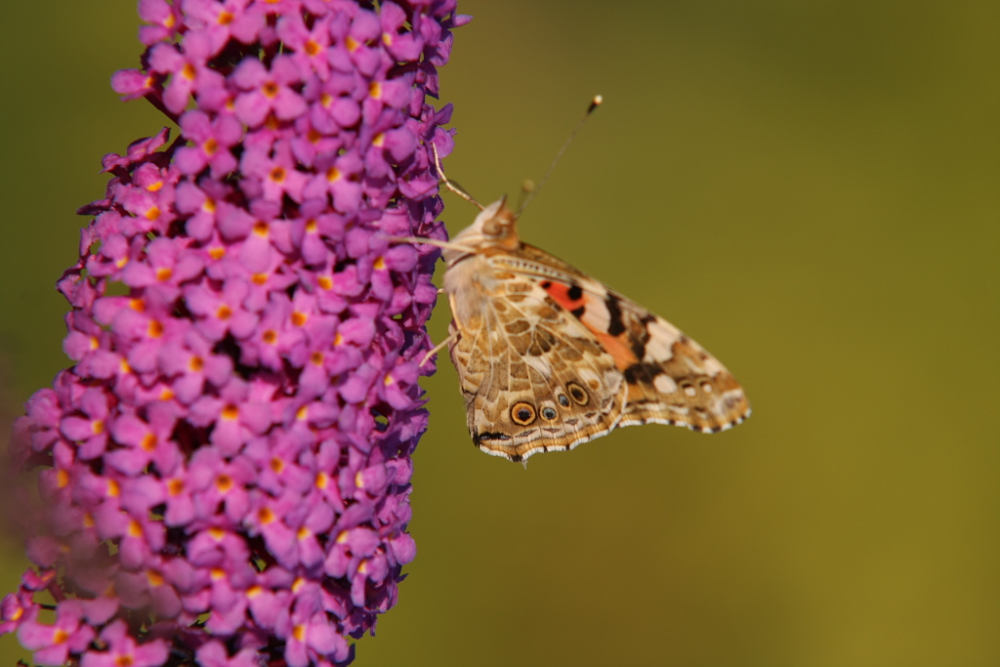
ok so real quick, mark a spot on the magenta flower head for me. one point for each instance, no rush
(225, 468)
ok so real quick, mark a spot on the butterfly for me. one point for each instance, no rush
(549, 358)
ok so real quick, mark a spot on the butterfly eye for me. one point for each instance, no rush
(563, 400)
(578, 393)
(549, 413)
(522, 413)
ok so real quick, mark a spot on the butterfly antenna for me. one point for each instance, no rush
(450, 184)
(529, 188)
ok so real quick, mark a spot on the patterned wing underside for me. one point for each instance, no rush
(554, 359)
(673, 380)
(669, 377)
(534, 378)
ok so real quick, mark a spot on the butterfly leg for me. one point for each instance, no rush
(448, 245)
(451, 185)
(437, 348)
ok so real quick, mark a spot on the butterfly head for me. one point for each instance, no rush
(494, 227)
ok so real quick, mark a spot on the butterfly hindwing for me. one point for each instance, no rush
(533, 377)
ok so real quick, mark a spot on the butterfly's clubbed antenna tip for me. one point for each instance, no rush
(450, 184)
(527, 188)
(597, 101)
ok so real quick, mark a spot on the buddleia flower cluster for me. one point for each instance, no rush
(224, 471)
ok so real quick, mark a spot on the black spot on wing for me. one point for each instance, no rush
(574, 292)
(616, 325)
(578, 312)
(641, 372)
(641, 339)
(639, 342)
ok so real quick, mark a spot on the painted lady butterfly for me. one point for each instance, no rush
(549, 358)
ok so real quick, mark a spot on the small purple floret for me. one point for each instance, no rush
(225, 470)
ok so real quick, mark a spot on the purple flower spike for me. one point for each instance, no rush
(224, 472)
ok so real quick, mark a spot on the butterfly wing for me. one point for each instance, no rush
(533, 377)
(670, 378)
(549, 358)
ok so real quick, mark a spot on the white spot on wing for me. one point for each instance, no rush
(596, 314)
(662, 336)
(664, 384)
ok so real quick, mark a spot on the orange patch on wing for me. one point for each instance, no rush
(618, 348)
(560, 292)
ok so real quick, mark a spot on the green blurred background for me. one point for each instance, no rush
(808, 189)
